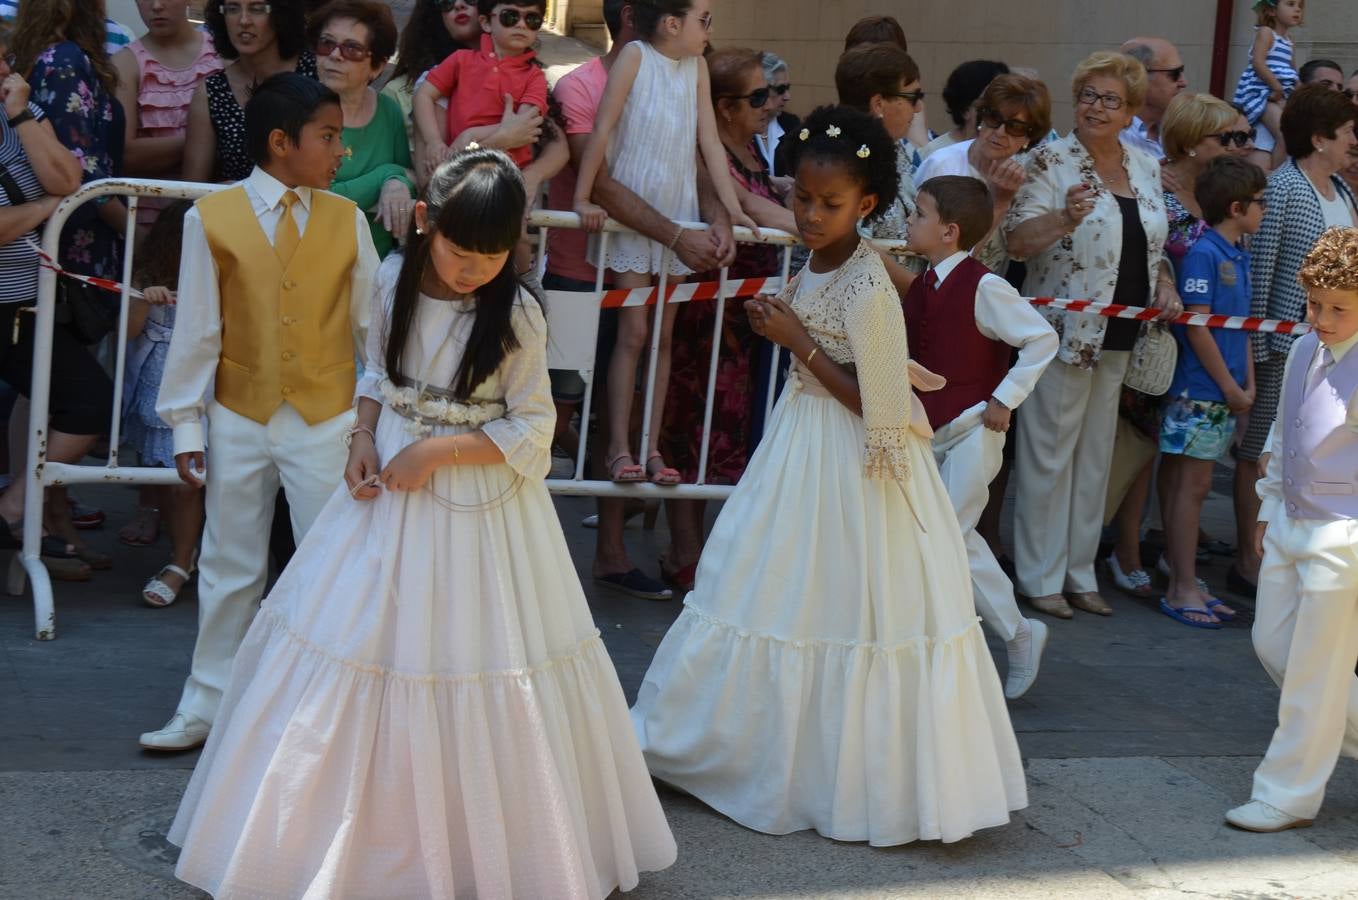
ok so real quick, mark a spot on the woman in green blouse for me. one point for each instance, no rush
(353, 41)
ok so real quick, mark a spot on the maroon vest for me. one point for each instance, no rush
(941, 325)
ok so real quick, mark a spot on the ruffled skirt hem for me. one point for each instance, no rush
(325, 777)
(857, 740)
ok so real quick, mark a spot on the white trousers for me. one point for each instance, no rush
(246, 463)
(1306, 635)
(1065, 446)
(969, 457)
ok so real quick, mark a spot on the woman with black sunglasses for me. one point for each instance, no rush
(353, 41)
(259, 39)
(1012, 114)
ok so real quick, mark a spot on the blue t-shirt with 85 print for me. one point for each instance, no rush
(1215, 274)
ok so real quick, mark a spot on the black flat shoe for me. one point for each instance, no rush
(1237, 584)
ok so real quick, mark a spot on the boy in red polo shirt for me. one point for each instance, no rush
(476, 81)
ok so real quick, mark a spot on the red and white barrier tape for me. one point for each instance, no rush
(107, 284)
(683, 293)
(1118, 311)
(749, 287)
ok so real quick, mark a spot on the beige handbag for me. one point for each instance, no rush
(1154, 356)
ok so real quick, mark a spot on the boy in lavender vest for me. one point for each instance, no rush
(965, 323)
(1306, 625)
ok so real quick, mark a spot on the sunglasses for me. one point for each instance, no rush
(444, 6)
(510, 17)
(350, 50)
(1239, 138)
(780, 89)
(1352, 95)
(705, 20)
(756, 98)
(1174, 74)
(915, 97)
(992, 118)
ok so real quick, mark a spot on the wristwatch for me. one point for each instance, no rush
(24, 116)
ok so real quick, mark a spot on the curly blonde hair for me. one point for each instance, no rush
(1332, 264)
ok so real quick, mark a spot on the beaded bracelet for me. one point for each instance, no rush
(357, 429)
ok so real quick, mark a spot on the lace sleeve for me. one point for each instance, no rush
(374, 351)
(876, 332)
(524, 433)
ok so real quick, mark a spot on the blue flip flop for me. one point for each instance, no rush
(1213, 605)
(1178, 615)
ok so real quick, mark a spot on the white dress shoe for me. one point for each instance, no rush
(1025, 655)
(1263, 818)
(182, 732)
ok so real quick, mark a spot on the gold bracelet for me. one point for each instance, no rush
(810, 356)
(457, 453)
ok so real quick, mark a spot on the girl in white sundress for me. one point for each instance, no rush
(422, 707)
(828, 670)
(656, 109)
(1271, 76)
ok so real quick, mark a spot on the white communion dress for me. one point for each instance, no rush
(828, 670)
(423, 707)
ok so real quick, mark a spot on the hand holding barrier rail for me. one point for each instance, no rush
(572, 315)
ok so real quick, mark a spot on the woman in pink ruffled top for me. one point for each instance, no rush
(157, 76)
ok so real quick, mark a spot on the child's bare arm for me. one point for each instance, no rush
(714, 154)
(1263, 42)
(426, 112)
(620, 80)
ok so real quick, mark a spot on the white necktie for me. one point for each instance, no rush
(1319, 370)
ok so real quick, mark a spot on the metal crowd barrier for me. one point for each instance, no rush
(566, 313)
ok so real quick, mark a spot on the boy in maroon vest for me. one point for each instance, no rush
(964, 323)
(1306, 621)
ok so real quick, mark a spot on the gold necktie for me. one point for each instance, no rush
(286, 238)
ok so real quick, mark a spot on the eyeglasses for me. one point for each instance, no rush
(239, 10)
(510, 17)
(350, 50)
(1174, 74)
(993, 118)
(757, 98)
(1089, 96)
(1239, 138)
(10, 60)
(915, 97)
(1261, 200)
(780, 89)
(704, 20)
(1352, 95)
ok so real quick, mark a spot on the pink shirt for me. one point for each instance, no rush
(579, 94)
(475, 82)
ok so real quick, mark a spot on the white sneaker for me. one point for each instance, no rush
(1025, 655)
(1263, 818)
(182, 732)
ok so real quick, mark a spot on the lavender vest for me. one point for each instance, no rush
(1320, 453)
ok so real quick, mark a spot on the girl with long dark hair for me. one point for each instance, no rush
(427, 663)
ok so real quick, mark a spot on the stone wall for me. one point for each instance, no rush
(1048, 35)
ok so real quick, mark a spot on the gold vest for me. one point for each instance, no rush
(286, 335)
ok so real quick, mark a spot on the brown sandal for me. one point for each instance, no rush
(663, 475)
(625, 474)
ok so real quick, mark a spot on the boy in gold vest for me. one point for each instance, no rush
(276, 278)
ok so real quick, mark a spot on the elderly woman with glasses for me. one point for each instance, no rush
(353, 40)
(258, 39)
(1090, 222)
(1012, 114)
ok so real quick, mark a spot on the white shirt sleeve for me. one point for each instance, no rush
(196, 344)
(362, 283)
(1003, 315)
